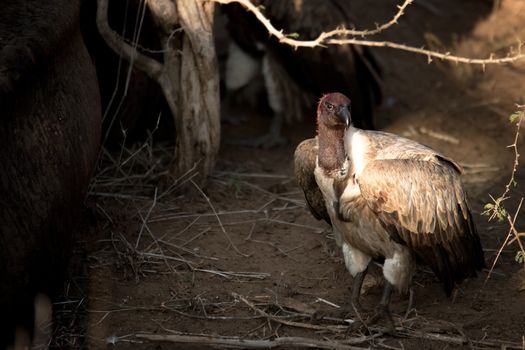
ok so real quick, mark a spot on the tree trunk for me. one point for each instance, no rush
(190, 82)
(188, 77)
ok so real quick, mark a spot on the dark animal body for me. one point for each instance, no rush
(49, 135)
(388, 198)
(296, 77)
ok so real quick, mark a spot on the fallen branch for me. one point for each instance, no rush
(301, 342)
(316, 327)
(236, 342)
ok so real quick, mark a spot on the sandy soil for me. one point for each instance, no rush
(204, 262)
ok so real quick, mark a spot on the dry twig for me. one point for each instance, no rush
(512, 181)
(218, 219)
(497, 210)
(331, 328)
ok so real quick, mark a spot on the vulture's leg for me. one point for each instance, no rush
(398, 271)
(274, 89)
(273, 138)
(357, 264)
(356, 289)
(384, 304)
(240, 73)
(383, 310)
(410, 302)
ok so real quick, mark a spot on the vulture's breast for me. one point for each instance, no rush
(363, 230)
(353, 220)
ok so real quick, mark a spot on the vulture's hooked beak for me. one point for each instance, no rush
(344, 115)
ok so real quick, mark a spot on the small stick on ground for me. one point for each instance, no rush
(330, 328)
(218, 219)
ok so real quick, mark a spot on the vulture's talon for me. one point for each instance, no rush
(358, 308)
(363, 322)
(383, 313)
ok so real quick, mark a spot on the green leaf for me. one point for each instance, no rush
(293, 35)
(519, 258)
(501, 214)
(489, 206)
(515, 116)
(262, 7)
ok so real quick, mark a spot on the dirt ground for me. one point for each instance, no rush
(244, 257)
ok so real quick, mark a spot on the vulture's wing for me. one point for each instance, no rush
(391, 146)
(423, 205)
(304, 166)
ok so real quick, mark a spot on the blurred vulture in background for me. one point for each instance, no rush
(294, 79)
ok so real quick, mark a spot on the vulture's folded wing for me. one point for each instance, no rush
(423, 205)
(304, 166)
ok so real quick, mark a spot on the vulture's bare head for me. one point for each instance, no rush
(333, 111)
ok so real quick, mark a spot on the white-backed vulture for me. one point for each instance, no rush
(388, 198)
(295, 77)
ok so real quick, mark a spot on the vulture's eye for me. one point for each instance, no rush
(329, 106)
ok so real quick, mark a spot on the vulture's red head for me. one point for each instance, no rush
(334, 110)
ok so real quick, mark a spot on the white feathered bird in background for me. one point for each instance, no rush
(296, 77)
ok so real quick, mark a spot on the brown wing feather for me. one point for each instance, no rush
(423, 204)
(304, 166)
(391, 146)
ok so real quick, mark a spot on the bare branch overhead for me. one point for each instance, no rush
(323, 37)
(341, 36)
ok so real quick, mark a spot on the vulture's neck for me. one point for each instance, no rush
(331, 147)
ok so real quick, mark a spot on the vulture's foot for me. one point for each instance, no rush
(382, 313)
(364, 320)
(383, 310)
(266, 141)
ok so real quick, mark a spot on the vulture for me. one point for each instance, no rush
(294, 77)
(387, 198)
